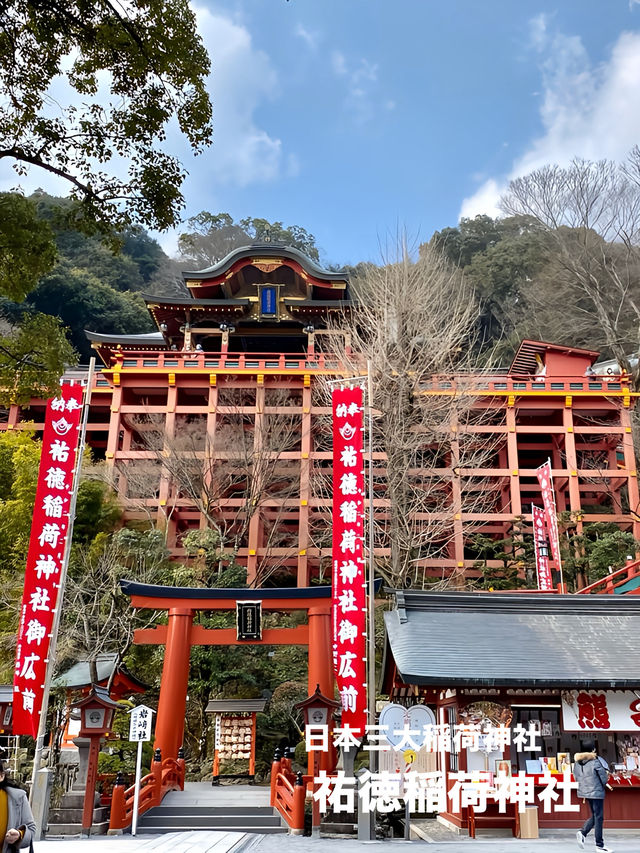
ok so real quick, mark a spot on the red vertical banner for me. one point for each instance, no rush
(49, 530)
(545, 580)
(545, 479)
(349, 601)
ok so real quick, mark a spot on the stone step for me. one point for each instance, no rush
(178, 826)
(75, 800)
(66, 830)
(74, 815)
(196, 821)
(335, 828)
(212, 810)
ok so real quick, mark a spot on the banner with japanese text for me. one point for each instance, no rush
(545, 479)
(46, 552)
(545, 580)
(348, 578)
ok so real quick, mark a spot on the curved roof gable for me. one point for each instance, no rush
(265, 264)
(265, 250)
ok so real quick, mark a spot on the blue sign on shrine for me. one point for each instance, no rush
(268, 303)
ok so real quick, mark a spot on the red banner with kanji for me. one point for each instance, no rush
(46, 552)
(545, 580)
(349, 604)
(545, 479)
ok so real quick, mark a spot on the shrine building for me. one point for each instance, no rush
(221, 420)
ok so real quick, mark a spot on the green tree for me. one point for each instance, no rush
(82, 302)
(33, 357)
(96, 511)
(212, 236)
(601, 546)
(501, 258)
(27, 248)
(33, 350)
(127, 260)
(130, 69)
(97, 615)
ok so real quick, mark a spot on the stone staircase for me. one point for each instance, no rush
(233, 808)
(66, 820)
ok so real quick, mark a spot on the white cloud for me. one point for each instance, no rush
(338, 63)
(311, 38)
(361, 77)
(243, 152)
(242, 79)
(586, 111)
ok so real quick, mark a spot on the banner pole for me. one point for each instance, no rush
(42, 727)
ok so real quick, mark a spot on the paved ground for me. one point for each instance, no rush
(171, 842)
(206, 794)
(552, 841)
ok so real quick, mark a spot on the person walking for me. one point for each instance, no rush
(592, 773)
(17, 827)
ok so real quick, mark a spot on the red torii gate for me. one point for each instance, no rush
(180, 634)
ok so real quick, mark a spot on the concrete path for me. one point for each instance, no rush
(220, 796)
(171, 842)
(552, 841)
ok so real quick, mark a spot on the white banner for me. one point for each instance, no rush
(601, 711)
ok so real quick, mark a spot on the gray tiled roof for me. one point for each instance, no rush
(79, 675)
(475, 639)
(235, 706)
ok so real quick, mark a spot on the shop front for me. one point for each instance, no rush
(547, 673)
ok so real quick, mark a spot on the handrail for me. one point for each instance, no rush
(198, 359)
(165, 776)
(606, 585)
(288, 793)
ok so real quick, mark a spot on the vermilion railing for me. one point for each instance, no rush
(166, 775)
(225, 360)
(608, 584)
(288, 793)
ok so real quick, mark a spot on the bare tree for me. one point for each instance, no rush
(414, 327)
(591, 212)
(238, 473)
(97, 616)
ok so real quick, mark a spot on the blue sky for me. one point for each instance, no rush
(352, 118)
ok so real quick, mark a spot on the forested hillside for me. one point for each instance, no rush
(562, 265)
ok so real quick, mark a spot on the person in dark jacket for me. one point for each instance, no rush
(17, 827)
(592, 773)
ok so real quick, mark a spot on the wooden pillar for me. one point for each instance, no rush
(254, 533)
(320, 651)
(165, 521)
(210, 441)
(172, 703)
(14, 416)
(575, 504)
(512, 458)
(615, 486)
(456, 504)
(630, 466)
(305, 484)
(114, 426)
